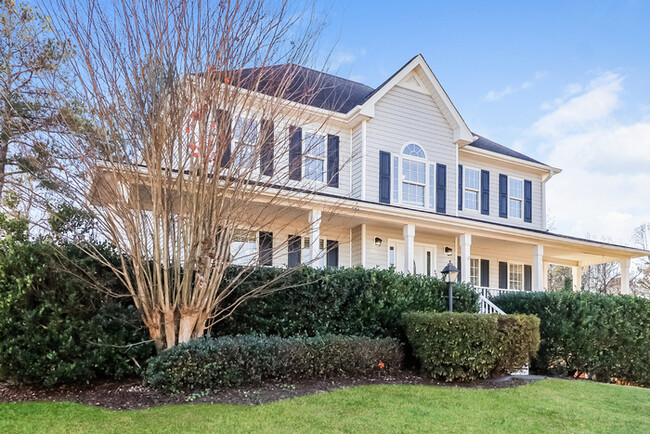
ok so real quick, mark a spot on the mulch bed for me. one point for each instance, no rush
(130, 394)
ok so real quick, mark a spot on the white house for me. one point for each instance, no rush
(414, 188)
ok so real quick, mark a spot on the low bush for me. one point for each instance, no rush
(211, 363)
(54, 326)
(463, 346)
(604, 336)
(353, 301)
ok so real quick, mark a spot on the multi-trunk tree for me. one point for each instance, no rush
(188, 170)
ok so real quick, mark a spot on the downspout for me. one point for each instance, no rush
(551, 173)
(363, 159)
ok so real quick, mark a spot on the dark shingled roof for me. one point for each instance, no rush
(329, 92)
(489, 145)
(306, 86)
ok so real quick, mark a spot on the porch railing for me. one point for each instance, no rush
(487, 307)
(493, 292)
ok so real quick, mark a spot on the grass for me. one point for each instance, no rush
(548, 405)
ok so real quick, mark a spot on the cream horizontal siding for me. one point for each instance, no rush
(356, 246)
(407, 116)
(510, 171)
(356, 162)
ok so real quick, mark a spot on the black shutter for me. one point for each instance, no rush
(458, 265)
(503, 196)
(528, 201)
(384, 177)
(332, 160)
(460, 187)
(485, 192)
(332, 254)
(441, 188)
(224, 136)
(266, 248)
(503, 275)
(528, 278)
(294, 247)
(485, 273)
(266, 150)
(295, 153)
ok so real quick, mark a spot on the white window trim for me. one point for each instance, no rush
(478, 191)
(523, 284)
(510, 197)
(479, 270)
(427, 175)
(305, 155)
(234, 142)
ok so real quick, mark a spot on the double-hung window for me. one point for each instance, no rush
(516, 276)
(516, 200)
(243, 248)
(475, 271)
(314, 156)
(244, 141)
(414, 175)
(472, 185)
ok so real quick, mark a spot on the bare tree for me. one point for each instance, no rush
(194, 147)
(641, 281)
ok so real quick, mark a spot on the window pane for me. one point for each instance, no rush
(516, 276)
(391, 256)
(395, 197)
(471, 179)
(314, 145)
(414, 151)
(432, 186)
(474, 271)
(471, 200)
(515, 208)
(516, 188)
(246, 131)
(412, 194)
(414, 171)
(314, 169)
(243, 248)
(243, 155)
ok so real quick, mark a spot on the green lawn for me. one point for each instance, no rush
(549, 405)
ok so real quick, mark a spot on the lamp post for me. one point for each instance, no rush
(450, 272)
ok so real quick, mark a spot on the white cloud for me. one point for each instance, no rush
(497, 95)
(603, 189)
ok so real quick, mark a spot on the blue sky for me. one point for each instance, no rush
(565, 82)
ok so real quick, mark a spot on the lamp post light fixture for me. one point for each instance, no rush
(378, 242)
(450, 272)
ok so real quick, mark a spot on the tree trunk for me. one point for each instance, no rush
(155, 331)
(170, 328)
(4, 149)
(186, 326)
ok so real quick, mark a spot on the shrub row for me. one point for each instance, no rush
(462, 346)
(210, 363)
(57, 328)
(353, 301)
(604, 336)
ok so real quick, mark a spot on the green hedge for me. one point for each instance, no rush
(54, 327)
(604, 336)
(353, 301)
(226, 361)
(462, 346)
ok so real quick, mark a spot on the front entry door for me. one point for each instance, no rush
(424, 261)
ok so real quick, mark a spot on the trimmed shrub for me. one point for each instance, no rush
(353, 301)
(55, 327)
(463, 346)
(226, 361)
(604, 336)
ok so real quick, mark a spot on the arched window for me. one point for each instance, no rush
(414, 175)
(414, 151)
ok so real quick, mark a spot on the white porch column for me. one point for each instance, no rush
(465, 252)
(314, 238)
(409, 247)
(538, 268)
(625, 276)
(545, 278)
(576, 274)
